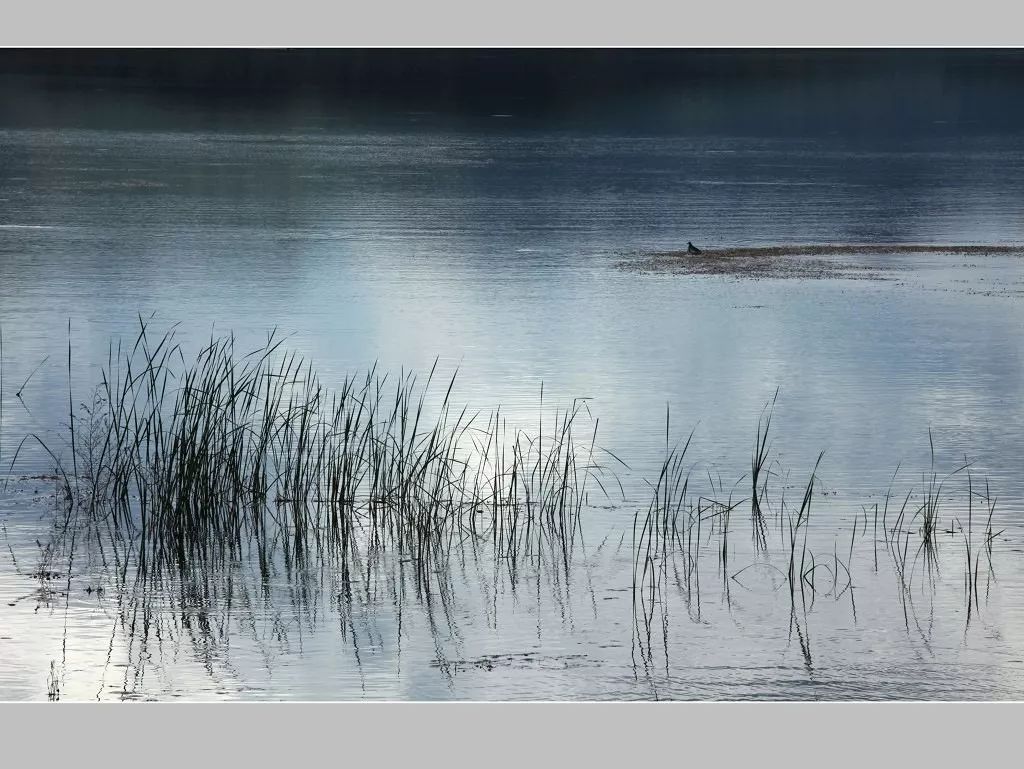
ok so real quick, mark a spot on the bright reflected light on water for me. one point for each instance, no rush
(498, 255)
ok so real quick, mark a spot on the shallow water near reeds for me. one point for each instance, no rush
(499, 253)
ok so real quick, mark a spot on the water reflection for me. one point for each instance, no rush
(496, 251)
(375, 602)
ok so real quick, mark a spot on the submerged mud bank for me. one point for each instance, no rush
(798, 261)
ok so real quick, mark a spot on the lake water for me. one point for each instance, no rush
(497, 250)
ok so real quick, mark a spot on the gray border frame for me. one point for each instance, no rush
(474, 735)
(511, 734)
(513, 23)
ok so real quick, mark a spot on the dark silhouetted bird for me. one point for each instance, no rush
(692, 249)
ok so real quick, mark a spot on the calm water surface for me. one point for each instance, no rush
(495, 251)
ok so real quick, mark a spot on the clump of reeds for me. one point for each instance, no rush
(182, 467)
(191, 461)
(668, 542)
(659, 537)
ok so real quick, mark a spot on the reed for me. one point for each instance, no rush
(183, 467)
(183, 463)
(759, 474)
